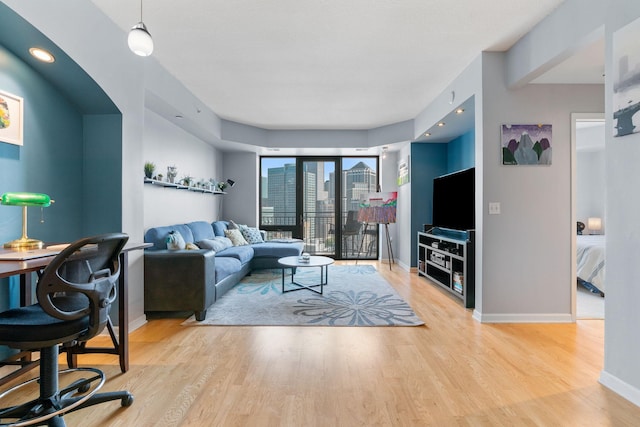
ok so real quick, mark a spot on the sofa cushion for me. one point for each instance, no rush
(226, 266)
(201, 230)
(219, 227)
(158, 235)
(277, 249)
(236, 237)
(217, 243)
(175, 241)
(241, 253)
(251, 235)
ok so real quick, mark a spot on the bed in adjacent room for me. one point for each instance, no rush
(590, 262)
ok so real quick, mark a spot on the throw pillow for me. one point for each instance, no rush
(236, 237)
(252, 235)
(191, 247)
(175, 241)
(217, 244)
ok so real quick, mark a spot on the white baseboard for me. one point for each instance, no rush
(403, 265)
(133, 325)
(615, 384)
(136, 323)
(522, 317)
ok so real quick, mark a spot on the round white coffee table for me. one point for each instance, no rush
(294, 262)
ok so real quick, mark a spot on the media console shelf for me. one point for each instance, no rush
(447, 258)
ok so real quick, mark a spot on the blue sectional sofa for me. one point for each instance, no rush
(192, 280)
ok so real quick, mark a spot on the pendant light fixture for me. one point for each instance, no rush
(140, 41)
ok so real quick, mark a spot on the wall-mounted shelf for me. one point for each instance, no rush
(181, 187)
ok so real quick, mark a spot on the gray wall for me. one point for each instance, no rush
(241, 202)
(165, 144)
(622, 346)
(530, 240)
(590, 174)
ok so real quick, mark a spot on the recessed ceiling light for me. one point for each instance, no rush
(179, 116)
(42, 55)
(460, 111)
(427, 134)
(441, 124)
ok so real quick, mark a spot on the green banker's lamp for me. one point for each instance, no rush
(24, 200)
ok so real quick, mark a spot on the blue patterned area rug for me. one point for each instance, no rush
(356, 295)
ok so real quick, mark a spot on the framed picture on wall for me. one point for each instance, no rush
(10, 118)
(626, 80)
(526, 144)
(404, 174)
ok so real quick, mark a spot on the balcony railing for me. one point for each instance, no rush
(358, 241)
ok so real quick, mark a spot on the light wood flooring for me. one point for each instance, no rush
(453, 371)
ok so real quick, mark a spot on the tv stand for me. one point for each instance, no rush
(447, 258)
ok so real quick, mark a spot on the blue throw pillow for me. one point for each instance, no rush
(252, 235)
(219, 227)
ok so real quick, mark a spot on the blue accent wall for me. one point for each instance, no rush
(102, 183)
(427, 162)
(74, 158)
(461, 152)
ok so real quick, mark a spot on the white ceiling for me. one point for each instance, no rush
(325, 64)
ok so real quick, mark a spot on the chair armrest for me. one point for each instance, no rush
(179, 268)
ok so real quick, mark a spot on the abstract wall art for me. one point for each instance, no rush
(11, 118)
(626, 80)
(526, 144)
(378, 208)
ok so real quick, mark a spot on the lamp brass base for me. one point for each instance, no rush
(24, 244)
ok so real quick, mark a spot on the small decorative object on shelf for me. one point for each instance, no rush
(186, 183)
(172, 172)
(224, 184)
(149, 168)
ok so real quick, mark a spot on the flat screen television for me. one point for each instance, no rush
(454, 198)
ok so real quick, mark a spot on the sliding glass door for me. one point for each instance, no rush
(316, 199)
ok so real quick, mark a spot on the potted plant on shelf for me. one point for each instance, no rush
(149, 168)
(187, 180)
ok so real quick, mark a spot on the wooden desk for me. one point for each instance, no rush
(26, 268)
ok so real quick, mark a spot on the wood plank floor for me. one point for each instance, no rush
(453, 371)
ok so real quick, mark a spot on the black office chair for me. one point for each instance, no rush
(75, 292)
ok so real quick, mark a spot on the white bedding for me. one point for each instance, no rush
(590, 259)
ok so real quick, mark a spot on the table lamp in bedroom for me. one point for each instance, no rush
(594, 225)
(24, 200)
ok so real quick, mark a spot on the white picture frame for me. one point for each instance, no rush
(11, 118)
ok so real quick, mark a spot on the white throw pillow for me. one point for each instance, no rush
(236, 237)
(175, 241)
